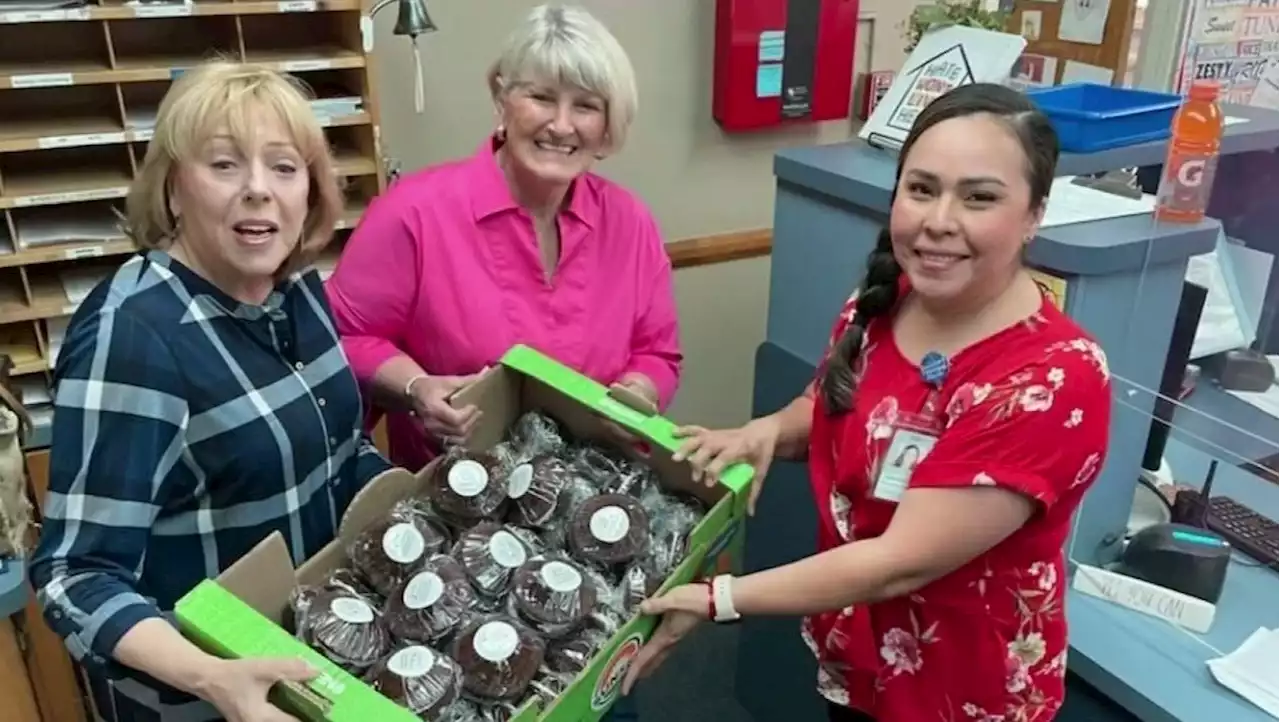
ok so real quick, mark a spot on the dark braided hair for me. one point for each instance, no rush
(879, 292)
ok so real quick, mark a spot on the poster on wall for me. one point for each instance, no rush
(943, 59)
(1235, 43)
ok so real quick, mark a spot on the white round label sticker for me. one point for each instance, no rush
(506, 549)
(403, 543)
(519, 481)
(561, 577)
(351, 611)
(468, 478)
(496, 641)
(610, 524)
(411, 662)
(423, 590)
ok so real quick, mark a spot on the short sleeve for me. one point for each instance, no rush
(1039, 429)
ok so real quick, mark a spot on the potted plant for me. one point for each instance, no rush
(944, 13)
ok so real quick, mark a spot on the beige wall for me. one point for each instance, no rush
(697, 180)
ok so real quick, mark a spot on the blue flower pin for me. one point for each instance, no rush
(933, 368)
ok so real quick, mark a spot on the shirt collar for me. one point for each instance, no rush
(198, 286)
(491, 193)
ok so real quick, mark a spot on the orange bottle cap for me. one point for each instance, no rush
(1204, 90)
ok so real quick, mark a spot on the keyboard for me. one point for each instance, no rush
(1247, 531)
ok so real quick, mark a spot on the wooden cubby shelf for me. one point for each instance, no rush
(79, 90)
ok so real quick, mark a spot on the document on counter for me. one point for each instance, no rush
(1253, 670)
(1071, 203)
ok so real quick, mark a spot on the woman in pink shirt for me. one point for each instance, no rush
(520, 243)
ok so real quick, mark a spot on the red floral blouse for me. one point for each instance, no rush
(1026, 409)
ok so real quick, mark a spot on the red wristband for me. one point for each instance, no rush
(711, 600)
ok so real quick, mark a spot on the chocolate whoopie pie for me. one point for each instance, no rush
(536, 488)
(499, 657)
(609, 529)
(345, 628)
(431, 603)
(468, 485)
(490, 554)
(552, 595)
(420, 679)
(392, 550)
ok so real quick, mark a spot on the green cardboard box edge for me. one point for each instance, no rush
(224, 625)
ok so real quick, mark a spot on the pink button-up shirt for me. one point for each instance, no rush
(445, 267)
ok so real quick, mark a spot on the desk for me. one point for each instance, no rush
(1124, 666)
(1156, 671)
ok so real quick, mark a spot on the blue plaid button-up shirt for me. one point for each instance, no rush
(187, 427)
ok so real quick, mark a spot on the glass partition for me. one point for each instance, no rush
(1187, 313)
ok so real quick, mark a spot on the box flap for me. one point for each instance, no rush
(611, 404)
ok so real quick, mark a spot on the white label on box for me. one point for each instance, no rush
(43, 16)
(496, 641)
(161, 11)
(297, 6)
(351, 611)
(561, 577)
(519, 481)
(83, 139)
(72, 254)
(423, 590)
(41, 80)
(506, 550)
(610, 524)
(403, 543)
(302, 66)
(411, 662)
(48, 199)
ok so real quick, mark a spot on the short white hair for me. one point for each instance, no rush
(565, 43)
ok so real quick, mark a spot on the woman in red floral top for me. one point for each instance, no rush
(957, 421)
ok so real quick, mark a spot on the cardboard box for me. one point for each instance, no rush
(239, 614)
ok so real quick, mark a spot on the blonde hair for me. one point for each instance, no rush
(220, 95)
(567, 44)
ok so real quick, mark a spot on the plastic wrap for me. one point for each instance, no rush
(536, 434)
(632, 478)
(392, 550)
(553, 595)
(609, 529)
(467, 485)
(671, 519)
(549, 685)
(432, 603)
(597, 464)
(536, 488)
(572, 654)
(639, 582)
(419, 679)
(499, 657)
(343, 626)
(490, 554)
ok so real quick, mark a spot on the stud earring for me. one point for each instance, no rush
(501, 133)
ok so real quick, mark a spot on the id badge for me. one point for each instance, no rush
(913, 438)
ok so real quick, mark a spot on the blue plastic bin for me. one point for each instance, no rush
(1090, 118)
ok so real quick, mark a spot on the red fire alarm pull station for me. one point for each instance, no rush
(781, 62)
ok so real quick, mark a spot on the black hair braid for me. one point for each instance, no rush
(877, 297)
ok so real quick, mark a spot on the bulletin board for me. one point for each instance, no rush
(1072, 40)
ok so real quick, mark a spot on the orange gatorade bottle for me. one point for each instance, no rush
(1193, 156)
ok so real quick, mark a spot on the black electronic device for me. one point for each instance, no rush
(1247, 531)
(1181, 557)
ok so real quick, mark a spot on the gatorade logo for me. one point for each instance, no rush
(609, 684)
(1191, 172)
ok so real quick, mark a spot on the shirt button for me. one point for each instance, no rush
(299, 366)
(322, 402)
